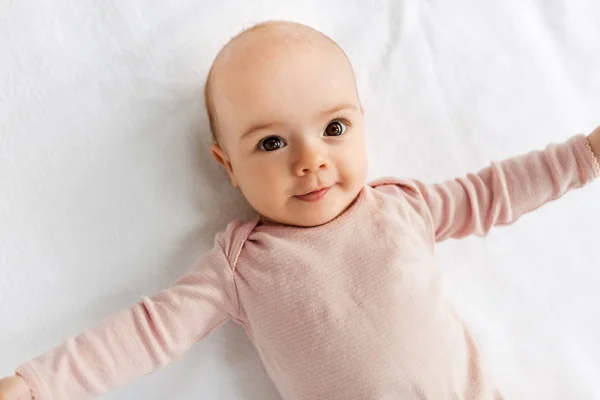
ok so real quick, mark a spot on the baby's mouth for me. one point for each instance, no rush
(313, 196)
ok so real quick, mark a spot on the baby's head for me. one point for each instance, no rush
(287, 121)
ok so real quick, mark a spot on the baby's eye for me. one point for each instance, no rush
(335, 128)
(271, 143)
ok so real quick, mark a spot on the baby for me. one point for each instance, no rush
(334, 280)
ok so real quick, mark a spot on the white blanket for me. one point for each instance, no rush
(108, 192)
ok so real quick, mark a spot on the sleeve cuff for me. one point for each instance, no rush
(32, 378)
(588, 163)
(595, 161)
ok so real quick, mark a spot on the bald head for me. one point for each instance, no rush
(261, 44)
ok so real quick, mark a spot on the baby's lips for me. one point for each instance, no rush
(314, 195)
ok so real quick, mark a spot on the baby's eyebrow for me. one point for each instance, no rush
(257, 127)
(340, 108)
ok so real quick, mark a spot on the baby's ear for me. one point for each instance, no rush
(221, 157)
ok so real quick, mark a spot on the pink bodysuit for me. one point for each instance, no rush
(350, 310)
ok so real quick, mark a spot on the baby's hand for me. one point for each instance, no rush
(14, 388)
(594, 139)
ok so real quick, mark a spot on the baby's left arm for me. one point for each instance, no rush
(501, 193)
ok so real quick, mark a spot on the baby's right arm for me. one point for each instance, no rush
(135, 342)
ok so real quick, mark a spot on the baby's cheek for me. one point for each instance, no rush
(356, 166)
(260, 188)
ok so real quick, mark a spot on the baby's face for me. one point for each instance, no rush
(290, 127)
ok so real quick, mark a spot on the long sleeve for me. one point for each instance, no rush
(137, 341)
(502, 192)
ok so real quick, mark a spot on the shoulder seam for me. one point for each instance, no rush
(238, 242)
(395, 181)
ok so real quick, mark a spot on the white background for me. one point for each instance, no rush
(108, 192)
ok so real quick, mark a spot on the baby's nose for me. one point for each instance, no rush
(310, 160)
